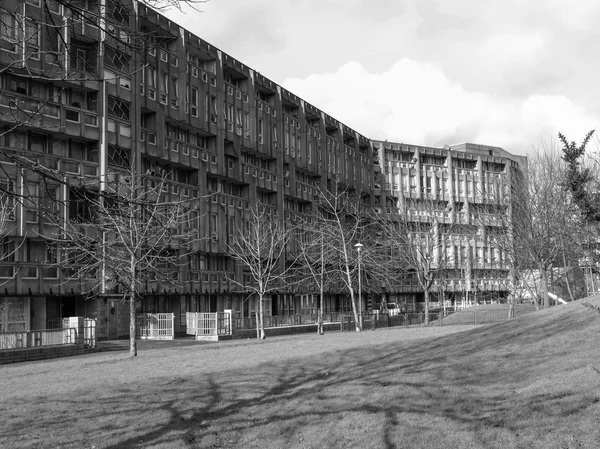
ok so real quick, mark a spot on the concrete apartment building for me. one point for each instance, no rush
(85, 87)
(465, 192)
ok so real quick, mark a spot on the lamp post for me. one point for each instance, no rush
(358, 247)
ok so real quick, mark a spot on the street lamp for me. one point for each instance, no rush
(358, 247)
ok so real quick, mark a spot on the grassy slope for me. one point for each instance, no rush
(533, 382)
(486, 313)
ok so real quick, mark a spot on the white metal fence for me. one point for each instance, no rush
(43, 337)
(208, 326)
(156, 326)
(89, 332)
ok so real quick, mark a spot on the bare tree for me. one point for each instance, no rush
(415, 237)
(316, 263)
(341, 225)
(260, 248)
(544, 222)
(125, 237)
(8, 247)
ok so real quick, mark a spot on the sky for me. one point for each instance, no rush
(507, 73)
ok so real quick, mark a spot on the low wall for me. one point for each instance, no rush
(282, 330)
(40, 353)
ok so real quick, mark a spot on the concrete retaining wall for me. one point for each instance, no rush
(40, 353)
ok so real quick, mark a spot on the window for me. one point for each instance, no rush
(7, 250)
(32, 38)
(72, 116)
(37, 142)
(286, 141)
(118, 156)
(214, 113)
(164, 87)
(230, 113)
(116, 59)
(17, 84)
(53, 6)
(194, 101)
(124, 130)
(110, 77)
(91, 120)
(80, 59)
(174, 92)
(118, 108)
(260, 130)
(35, 251)
(125, 82)
(206, 103)
(151, 80)
(8, 31)
(51, 110)
(214, 224)
(118, 13)
(51, 259)
(7, 196)
(30, 201)
(246, 124)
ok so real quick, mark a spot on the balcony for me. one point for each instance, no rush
(305, 191)
(235, 92)
(265, 179)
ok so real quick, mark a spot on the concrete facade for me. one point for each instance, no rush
(85, 87)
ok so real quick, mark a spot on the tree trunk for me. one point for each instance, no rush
(132, 340)
(512, 294)
(320, 329)
(261, 335)
(426, 294)
(544, 282)
(568, 269)
(357, 323)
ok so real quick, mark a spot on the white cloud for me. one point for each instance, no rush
(416, 102)
(427, 71)
(513, 48)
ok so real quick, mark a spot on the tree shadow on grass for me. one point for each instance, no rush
(447, 392)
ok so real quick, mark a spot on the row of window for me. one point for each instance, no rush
(45, 144)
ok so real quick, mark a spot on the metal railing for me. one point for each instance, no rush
(375, 320)
(89, 332)
(286, 320)
(156, 326)
(208, 325)
(219, 323)
(42, 337)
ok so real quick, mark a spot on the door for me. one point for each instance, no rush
(113, 320)
(175, 309)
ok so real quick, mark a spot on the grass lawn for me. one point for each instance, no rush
(533, 382)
